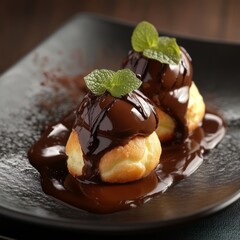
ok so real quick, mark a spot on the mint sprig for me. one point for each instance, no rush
(117, 83)
(145, 39)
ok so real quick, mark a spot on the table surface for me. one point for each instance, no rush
(24, 24)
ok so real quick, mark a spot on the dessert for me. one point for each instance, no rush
(133, 135)
(107, 146)
(167, 75)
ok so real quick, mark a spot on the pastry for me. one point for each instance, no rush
(167, 75)
(114, 138)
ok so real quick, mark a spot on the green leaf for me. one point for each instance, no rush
(167, 51)
(99, 81)
(163, 49)
(170, 48)
(117, 83)
(123, 82)
(144, 36)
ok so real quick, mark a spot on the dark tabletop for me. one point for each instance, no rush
(24, 24)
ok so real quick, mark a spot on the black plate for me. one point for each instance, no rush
(26, 105)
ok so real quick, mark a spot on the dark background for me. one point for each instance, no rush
(25, 23)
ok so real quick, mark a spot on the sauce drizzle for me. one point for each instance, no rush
(178, 160)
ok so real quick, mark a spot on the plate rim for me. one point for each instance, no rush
(72, 224)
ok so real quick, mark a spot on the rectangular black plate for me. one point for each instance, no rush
(30, 97)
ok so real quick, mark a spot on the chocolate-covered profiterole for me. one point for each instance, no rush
(105, 122)
(167, 85)
(165, 69)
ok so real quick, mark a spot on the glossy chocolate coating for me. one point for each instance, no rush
(166, 85)
(105, 122)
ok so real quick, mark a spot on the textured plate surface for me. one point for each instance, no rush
(31, 97)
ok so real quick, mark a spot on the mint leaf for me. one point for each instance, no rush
(144, 36)
(145, 39)
(123, 82)
(167, 51)
(170, 48)
(159, 56)
(117, 83)
(99, 81)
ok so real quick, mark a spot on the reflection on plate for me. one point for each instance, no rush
(28, 103)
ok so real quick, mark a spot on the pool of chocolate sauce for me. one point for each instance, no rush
(178, 160)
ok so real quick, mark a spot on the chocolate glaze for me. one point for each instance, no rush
(101, 126)
(177, 161)
(166, 85)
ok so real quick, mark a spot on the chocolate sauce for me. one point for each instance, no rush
(101, 126)
(165, 84)
(177, 161)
